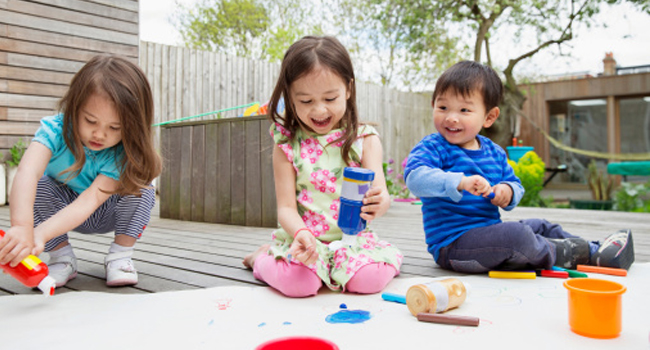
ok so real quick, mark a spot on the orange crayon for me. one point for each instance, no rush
(604, 270)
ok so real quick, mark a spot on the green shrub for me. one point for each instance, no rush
(530, 170)
(395, 180)
(632, 197)
(17, 151)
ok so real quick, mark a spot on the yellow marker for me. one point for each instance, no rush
(513, 274)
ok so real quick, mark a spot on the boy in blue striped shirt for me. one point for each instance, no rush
(464, 178)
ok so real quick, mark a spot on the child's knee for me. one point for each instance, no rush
(302, 289)
(371, 278)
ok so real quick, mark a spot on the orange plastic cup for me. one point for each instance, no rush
(595, 307)
(298, 343)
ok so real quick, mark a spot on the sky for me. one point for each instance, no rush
(627, 36)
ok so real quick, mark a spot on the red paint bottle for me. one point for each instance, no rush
(31, 272)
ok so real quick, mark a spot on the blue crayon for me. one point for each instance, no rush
(398, 298)
(491, 195)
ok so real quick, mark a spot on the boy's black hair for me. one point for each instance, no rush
(465, 77)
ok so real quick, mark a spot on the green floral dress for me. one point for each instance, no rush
(319, 175)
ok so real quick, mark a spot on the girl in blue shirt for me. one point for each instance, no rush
(88, 169)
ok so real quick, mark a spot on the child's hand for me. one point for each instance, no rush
(375, 203)
(16, 245)
(303, 247)
(476, 185)
(502, 195)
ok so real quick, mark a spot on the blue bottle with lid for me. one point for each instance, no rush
(356, 182)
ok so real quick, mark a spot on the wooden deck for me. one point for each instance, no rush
(181, 255)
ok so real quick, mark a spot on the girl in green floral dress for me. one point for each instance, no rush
(316, 138)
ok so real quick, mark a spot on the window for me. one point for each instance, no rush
(581, 124)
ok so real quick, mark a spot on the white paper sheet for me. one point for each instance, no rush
(526, 314)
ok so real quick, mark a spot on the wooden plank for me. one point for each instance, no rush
(128, 5)
(211, 176)
(44, 63)
(35, 75)
(165, 184)
(238, 173)
(253, 172)
(70, 41)
(96, 9)
(70, 16)
(45, 50)
(29, 88)
(174, 154)
(27, 101)
(25, 114)
(30, 21)
(269, 204)
(185, 212)
(223, 145)
(198, 172)
(17, 128)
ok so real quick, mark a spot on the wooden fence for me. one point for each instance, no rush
(189, 82)
(219, 171)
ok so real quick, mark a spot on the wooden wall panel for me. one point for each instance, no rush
(43, 43)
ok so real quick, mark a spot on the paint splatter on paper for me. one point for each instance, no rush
(349, 316)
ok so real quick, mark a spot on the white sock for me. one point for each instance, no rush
(124, 262)
(66, 250)
(116, 248)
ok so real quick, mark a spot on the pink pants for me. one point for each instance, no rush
(298, 281)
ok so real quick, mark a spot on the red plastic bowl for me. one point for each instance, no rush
(298, 343)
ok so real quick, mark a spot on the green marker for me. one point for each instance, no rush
(572, 273)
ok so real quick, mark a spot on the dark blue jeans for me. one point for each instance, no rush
(505, 246)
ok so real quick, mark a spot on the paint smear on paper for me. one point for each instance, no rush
(349, 316)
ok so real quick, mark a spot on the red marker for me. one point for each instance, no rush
(552, 273)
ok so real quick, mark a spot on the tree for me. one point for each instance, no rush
(381, 33)
(259, 29)
(428, 26)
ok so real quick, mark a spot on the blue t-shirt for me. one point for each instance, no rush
(105, 162)
(433, 172)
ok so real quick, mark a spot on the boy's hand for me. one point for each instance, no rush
(502, 195)
(303, 247)
(16, 245)
(476, 185)
(375, 203)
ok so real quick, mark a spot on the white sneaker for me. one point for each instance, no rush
(120, 270)
(62, 269)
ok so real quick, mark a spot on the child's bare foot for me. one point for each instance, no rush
(249, 260)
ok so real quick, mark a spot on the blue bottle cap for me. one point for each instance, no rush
(359, 174)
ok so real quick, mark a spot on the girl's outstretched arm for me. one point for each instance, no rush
(18, 243)
(303, 247)
(75, 213)
(377, 199)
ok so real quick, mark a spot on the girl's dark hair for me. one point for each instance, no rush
(467, 76)
(302, 58)
(126, 86)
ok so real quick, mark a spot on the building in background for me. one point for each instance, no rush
(609, 113)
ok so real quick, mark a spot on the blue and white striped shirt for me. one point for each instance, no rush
(433, 172)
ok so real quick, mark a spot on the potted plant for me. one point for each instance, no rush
(601, 186)
(16, 151)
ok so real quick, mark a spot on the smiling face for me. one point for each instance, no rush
(460, 118)
(320, 100)
(99, 123)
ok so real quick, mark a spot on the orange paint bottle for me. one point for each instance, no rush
(31, 272)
